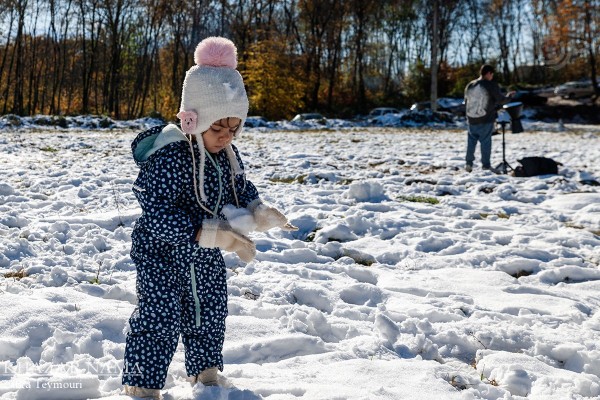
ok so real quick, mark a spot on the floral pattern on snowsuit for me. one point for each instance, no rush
(181, 287)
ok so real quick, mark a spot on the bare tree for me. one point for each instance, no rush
(397, 30)
(10, 12)
(89, 29)
(591, 38)
(435, 43)
(18, 57)
(333, 52)
(362, 16)
(501, 13)
(117, 15)
(314, 18)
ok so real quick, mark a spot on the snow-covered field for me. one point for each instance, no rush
(408, 278)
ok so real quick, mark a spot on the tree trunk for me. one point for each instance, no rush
(3, 64)
(17, 107)
(435, 38)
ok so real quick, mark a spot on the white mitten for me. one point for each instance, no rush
(218, 233)
(267, 217)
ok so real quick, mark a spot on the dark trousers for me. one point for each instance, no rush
(180, 294)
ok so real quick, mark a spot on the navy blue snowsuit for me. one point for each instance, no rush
(181, 287)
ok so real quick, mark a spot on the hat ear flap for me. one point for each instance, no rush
(189, 121)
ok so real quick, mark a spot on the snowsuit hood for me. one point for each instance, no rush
(150, 141)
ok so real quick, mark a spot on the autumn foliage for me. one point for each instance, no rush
(127, 58)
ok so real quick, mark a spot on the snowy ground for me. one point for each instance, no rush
(491, 293)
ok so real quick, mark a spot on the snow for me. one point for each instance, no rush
(488, 292)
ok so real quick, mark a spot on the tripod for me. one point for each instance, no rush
(504, 166)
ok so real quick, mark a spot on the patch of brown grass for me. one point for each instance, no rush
(16, 274)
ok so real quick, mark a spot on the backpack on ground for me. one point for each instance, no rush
(533, 166)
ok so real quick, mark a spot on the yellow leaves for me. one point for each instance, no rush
(569, 31)
(275, 87)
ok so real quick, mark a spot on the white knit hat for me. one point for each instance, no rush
(212, 90)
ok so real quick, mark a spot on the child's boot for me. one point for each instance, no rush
(208, 377)
(142, 393)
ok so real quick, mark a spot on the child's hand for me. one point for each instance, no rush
(218, 233)
(267, 217)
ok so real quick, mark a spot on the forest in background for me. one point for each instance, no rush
(127, 58)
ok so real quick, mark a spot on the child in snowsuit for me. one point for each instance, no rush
(187, 176)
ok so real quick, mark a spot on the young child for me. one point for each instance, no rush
(187, 177)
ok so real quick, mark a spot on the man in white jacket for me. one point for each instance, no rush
(482, 97)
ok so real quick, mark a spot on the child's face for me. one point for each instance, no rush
(220, 134)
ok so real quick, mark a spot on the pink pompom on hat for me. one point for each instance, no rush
(216, 52)
(213, 89)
